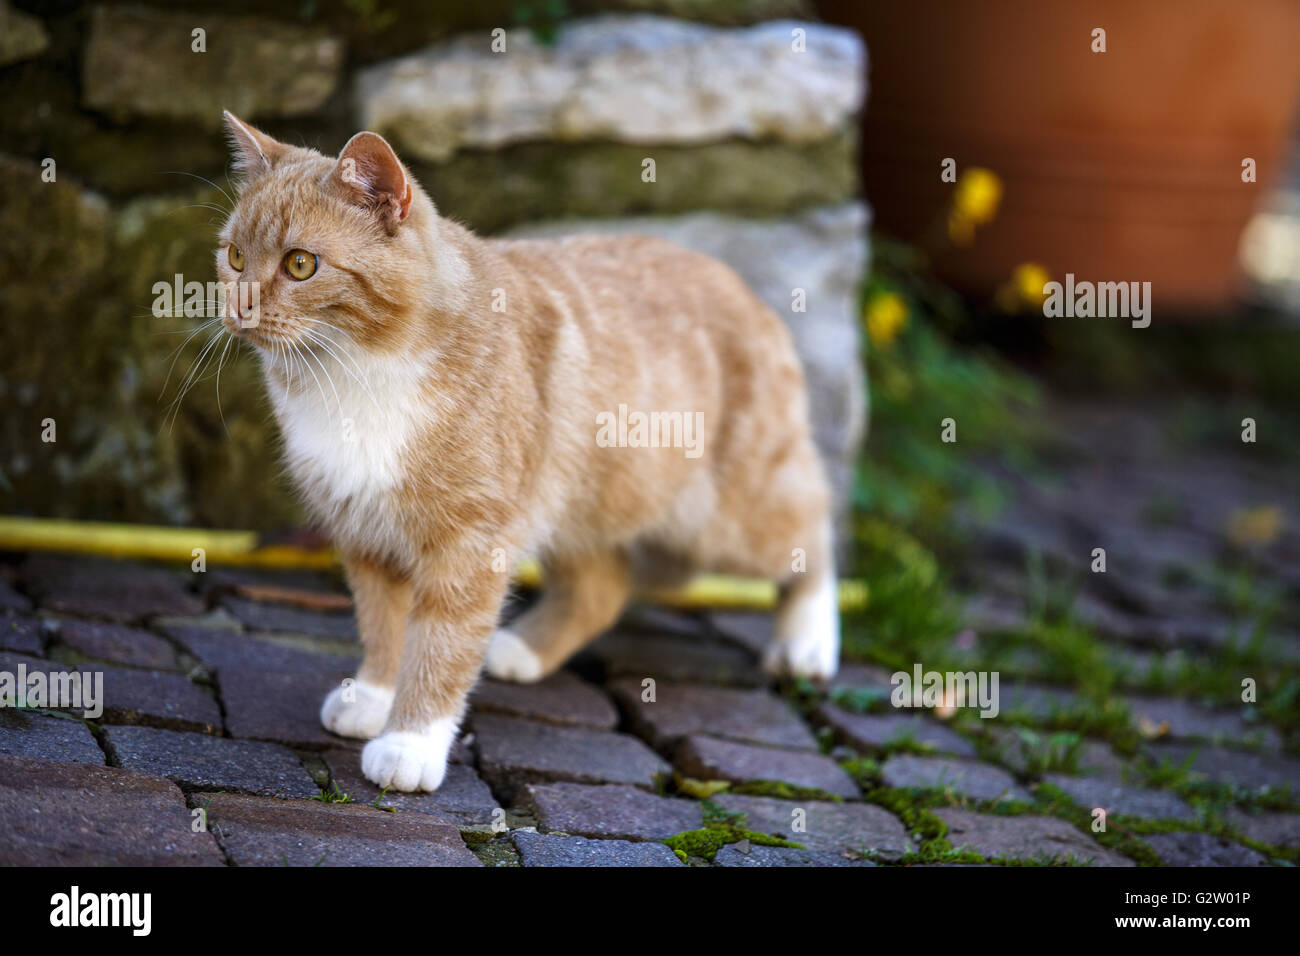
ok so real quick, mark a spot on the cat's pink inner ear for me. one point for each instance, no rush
(371, 170)
(255, 152)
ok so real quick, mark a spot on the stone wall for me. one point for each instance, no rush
(747, 108)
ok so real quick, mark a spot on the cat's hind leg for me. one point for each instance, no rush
(582, 596)
(806, 637)
(383, 603)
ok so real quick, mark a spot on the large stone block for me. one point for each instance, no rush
(638, 79)
(141, 62)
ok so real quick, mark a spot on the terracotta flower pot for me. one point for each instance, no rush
(1118, 166)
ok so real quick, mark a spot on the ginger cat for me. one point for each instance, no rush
(450, 403)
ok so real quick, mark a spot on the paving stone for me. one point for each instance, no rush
(680, 710)
(562, 698)
(1202, 849)
(1038, 700)
(118, 643)
(263, 831)
(1122, 799)
(770, 856)
(707, 758)
(516, 752)
(11, 600)
(613, 810)
(204, 762)
(540, 849)
(1017, 746)
(838, 828)
(254, 580)
(979, 781)
(270, 691)
(1275, 829)
(23, 635)
(462, 799)
(878, 731)
(71, 814)
(682, 659)
(1187, 720)
(28, 733)
(120, 591)
(751, 630)
(155, 698)
(862, 677)
(1025, 837)
(264, 616)
(652, 619)
(1239, 767)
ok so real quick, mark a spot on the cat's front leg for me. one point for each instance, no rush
(455, 608)
(382, 596)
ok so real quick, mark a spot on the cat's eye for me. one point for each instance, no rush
(236, 258)
(300, 264)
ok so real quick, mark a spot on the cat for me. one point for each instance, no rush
(445, 403)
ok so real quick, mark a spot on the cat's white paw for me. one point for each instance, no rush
(363, 716)
(807, 640)
(509, 658)
(409, 760)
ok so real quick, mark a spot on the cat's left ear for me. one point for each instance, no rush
(372, 175)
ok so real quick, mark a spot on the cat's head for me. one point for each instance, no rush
(341, 242)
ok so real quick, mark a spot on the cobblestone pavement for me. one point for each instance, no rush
(209, 751)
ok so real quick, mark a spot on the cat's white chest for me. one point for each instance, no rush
(347, 438)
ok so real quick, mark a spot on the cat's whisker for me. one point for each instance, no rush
(220, 362)
(177, 172)
(329, 347)
(176, 354)
(329, 378)
(195, 368)
(319, 387)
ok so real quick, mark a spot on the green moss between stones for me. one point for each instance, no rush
(783, 791)
(708, 840)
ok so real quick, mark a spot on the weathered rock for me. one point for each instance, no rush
(822, 252)
(68, 814)
(666, 658)
(116, 590)
(616, 811)
(772, 856)
(706, 758)
(117, 642)
(516, 752)
(539, 849)
(260, 831)
(22, 635)
(33, 734)
(1122, 799)
(155, 698)
(270, 691)
(532, 182)
(980, 781)
(749, 629)
(202, 762)
(874, 732)
(560, 699)
(462, 799)
(253, 67)
(1021, 748)
(855, 828)
(680, 710)
(21, 36)
(1202, 849)
(640, 79)
(1025, 837)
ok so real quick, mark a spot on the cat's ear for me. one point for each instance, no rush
(371, 175)
(255, 152)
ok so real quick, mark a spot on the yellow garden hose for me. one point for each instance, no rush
(245, 548)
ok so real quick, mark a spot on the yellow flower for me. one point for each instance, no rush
(1024, 288)
(1254, 526)
(886, 315)
(975, 202)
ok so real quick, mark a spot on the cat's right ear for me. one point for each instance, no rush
(255, 152)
